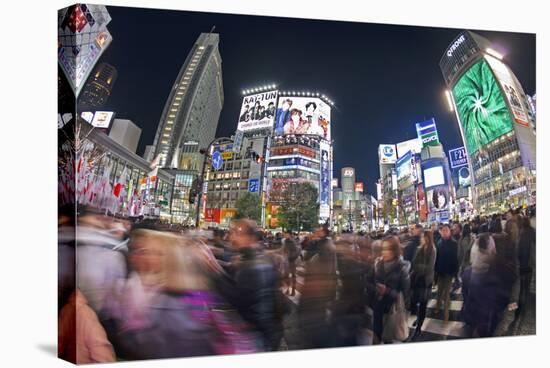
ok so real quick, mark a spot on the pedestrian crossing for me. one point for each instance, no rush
(433, 328)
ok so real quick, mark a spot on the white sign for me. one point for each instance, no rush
(102, 119)
(511, 90)
(258, 111)
(455, 45)
(387, 154)
(348, 172)
(414, 145)
(518, 191)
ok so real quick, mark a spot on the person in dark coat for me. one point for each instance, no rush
(319, 290)
(391, 277)
(413, 243)
(422, 278)
(256, 284)
(527, 259)
(292, 251)
(446, 267)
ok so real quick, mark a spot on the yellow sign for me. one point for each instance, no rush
(227, 155)
(228, 213)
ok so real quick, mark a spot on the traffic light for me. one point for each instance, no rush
(194, 190)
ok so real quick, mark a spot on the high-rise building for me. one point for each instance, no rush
(125, 133)
(193, 107)
(496, 127)
(98, 88)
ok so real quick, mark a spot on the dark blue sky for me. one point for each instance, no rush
(382, 78)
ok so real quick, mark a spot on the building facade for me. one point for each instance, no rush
(125, 133)
(193, 107)
(98, 88)
(496, 127)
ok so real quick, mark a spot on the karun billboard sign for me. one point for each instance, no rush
(303, 115)
(257, 111)
(387, 154)
(359, 187)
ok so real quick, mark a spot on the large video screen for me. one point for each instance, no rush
(434, 176)
(302, 115)
(257, 111)
(481, 107)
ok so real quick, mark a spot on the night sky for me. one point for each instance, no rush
(382, 78)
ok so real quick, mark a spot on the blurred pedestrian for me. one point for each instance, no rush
(422, 277)
(446, 267)
(391, 277)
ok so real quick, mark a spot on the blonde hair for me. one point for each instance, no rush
(186, 263)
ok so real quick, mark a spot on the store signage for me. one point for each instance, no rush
(348, 172)
(455, 45)
(458, 157)
(518, 191)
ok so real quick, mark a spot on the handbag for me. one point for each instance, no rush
(395, 321)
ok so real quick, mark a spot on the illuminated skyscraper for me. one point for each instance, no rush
(493, 114)
(193, 107)
(98, 88)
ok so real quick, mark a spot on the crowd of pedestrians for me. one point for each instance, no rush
(144, 290)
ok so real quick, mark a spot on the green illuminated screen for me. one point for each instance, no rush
(481, 107)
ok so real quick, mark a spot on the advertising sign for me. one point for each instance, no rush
(212, 215)
(359, 187)
(348, 172)
(257, 111)
(227, 155)
(324, 189)
(387, 153)
(464, 179)
(82, 38)
(227, 214)
(102, 119)
(303, 115)
(238, 141)
(422, 204)
(413, 145)
(511, 90)
(458, 157)
(406, 172)
(253, 185)
(335, 183)
(438, 199)
(434, 176)
(480, 105)
(427, 133)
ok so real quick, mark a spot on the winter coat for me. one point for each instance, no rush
(527, 250)
(446, 262)
(410, 248)
(395, 276)
(256, 291)
(180, 324)
(422, 268)
(99, 266)
(464, 248)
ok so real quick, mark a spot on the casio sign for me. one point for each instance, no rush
(429, 139)
(388, 151)
(455, 45)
